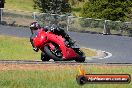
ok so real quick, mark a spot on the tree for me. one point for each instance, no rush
(52, 6)
(107, 9)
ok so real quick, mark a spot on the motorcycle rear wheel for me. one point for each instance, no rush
(81, 55)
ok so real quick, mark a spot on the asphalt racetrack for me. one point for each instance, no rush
(119, 46)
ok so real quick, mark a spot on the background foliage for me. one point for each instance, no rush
(108, 9)
(52, 6)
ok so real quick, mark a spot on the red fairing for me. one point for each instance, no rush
(60, 41)
(40, 38)
(47, 38)
(70, 53)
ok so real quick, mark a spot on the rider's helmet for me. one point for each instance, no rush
(34, 26)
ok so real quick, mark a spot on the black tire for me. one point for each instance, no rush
(81, 55)
(80, 59)
(81, 80)
(44, 57)
(50, 54)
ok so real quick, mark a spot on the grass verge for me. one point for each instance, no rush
(14, 48)
(62, 77)
(25, 5)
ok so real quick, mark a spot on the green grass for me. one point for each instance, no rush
(25, 5)
(15, 48)
(89, 52)
(62, 78)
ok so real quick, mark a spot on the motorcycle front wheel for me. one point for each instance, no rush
(44, 57)
(51, 54)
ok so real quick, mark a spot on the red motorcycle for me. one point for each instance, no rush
(55, 47)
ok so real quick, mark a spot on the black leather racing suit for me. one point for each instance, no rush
(60, 31)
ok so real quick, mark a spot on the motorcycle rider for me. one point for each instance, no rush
(34, 26)
(60, 31)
